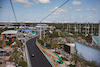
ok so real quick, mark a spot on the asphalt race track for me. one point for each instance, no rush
(39, 59)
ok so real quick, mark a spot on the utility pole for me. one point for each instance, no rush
(92, 29)
(80, 28)
(67, 27)
(75, 27)
(99, 31)
(88, 27)
(44, 32)
(40, 31)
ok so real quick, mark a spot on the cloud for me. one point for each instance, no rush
(78, 10)
(26, 2)
(45, 7)
(70, 7)
(76, 3)
(42, 1)
(85, 9)
(60, 10)
(89, 18)
(94, 9)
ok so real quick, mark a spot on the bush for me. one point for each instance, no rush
(22, 63)
(8, 43)
(11, 59)
(40, 41)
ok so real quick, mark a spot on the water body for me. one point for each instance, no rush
(88, 53)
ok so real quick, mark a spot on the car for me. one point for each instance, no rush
(32, 55)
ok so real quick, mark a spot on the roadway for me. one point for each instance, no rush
(39, 59)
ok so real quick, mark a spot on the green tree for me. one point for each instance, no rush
(18, 43)
(54, 44)
(70, 40)
(15, 57)
(46, 39)
(61, 40)
(22, 63)
(2, 43)
(91, 64)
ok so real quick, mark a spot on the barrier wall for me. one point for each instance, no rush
(54, 65)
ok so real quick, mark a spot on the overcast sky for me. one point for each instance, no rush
(36, 10)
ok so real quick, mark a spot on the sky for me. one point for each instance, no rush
(36, 10)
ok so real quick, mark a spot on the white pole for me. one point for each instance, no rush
(92, 29)
(44, 33)
(75, 27)
(40, 31)
(80, 27)
(67, 27)
(88, 28)
(99, 32)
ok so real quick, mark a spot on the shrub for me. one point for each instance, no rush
(8, 43)
(22, 63)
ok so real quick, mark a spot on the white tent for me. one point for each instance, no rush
(9, 32)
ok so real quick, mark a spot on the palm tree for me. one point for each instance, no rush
(2, 43)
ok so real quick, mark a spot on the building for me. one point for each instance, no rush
(96, 39)
(43, 26)
(9, 35)
(70, 48)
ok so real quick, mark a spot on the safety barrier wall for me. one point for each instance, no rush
(51, 62)
(27, 57)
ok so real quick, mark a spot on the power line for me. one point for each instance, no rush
(54, 10)
(13, 10)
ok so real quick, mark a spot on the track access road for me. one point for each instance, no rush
(39, 60)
